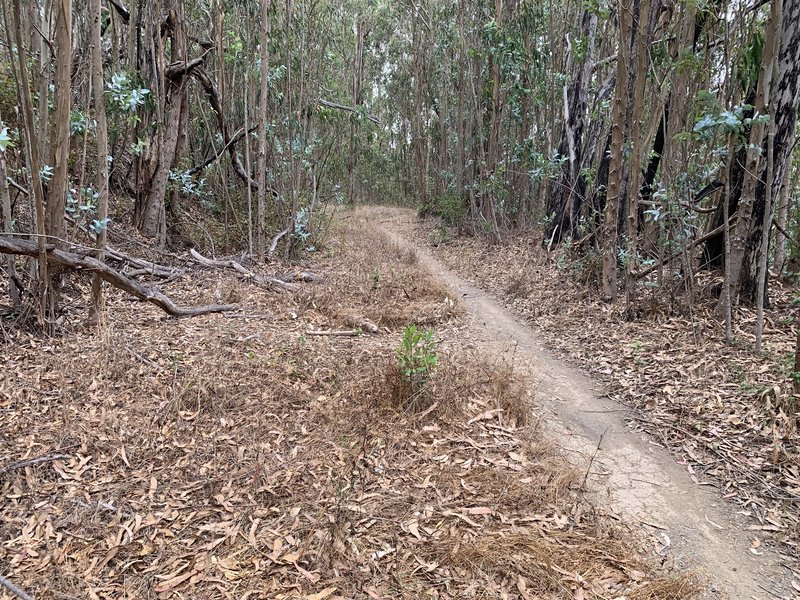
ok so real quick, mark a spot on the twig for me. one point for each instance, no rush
(21, 464)
(591, 460)
(15, 591)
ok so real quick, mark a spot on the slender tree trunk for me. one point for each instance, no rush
(34, 164)
(358, 77)
(763, 259)
(745, 207)
(642, 65)
(7, 228)
(57, 196)
(44, 79)
(783, 221)
(618, 136)
(263, 122)
(247, 105)
(418, 138)
(101, 134)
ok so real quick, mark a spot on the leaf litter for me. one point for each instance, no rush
(729, 414)
(234, 456)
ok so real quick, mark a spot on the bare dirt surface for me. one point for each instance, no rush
(642, 481)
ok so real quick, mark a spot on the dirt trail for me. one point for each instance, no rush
(637, 478)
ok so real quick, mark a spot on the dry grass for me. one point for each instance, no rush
(240, 458)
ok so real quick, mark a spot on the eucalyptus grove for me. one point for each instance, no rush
(652, 139)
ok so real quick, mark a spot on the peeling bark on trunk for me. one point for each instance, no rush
(57, 195)
(568, 191)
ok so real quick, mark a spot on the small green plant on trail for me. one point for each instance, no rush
(416, 355)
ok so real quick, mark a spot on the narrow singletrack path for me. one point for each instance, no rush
(630, 475)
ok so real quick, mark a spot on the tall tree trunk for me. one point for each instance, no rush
(783, 221)
(747, 205)
(568, 190)
(263, 122)
(639, 67)
(44, 78)
(7, 228)
(358, 77)
(618, 137)
(152, 222)
(418, 135)
(101, 134)
(57, 194)
(34, 165)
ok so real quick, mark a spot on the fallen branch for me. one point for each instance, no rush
(232, 264)
(304, 276)
(343, 333)
(21, 464)
(76, 262)
(275, 241)
(15, 591)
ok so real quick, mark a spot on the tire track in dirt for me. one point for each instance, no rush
(630, 474)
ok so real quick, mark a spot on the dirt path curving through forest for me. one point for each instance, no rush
(630, 474)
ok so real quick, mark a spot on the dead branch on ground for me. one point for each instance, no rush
(15, 591)
(117, 279)
(271, 282)
(30, 462)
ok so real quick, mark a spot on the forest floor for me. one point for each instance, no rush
(720, 410)
(244, 455)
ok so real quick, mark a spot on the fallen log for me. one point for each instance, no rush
(90, 264)
(249, 275)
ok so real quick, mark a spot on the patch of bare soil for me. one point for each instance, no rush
(240, 456)
(729, 416)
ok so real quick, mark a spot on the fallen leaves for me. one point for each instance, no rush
(275, 467)
(729, 412)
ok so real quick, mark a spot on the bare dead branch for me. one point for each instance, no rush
(76, 262)
(15, 591)
(272, 282)
(30, 462)
(343, 333)
(344, 107)
(213, 98)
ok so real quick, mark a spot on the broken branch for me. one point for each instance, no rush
(232, 264)
(30, 462)
(76, 262)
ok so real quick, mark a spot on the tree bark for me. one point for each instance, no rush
(101, 134)
(34, 165)
(57, 195)
(745, 208)
(642, 34)
(151, 223)
(618, 137)
(7, 228)
(263, 122)
(568, 191)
